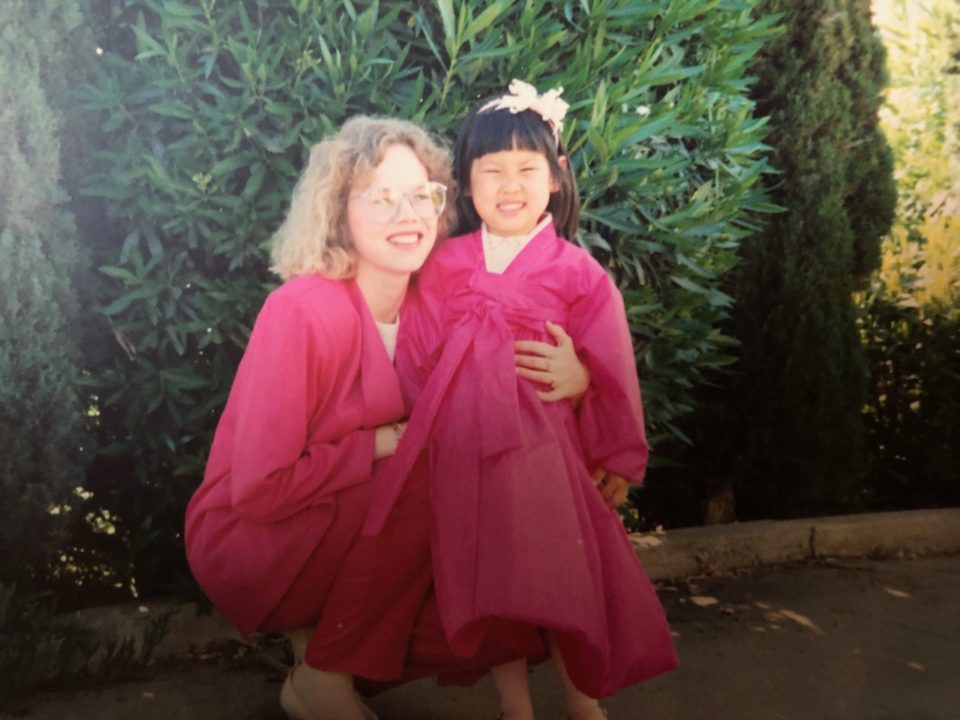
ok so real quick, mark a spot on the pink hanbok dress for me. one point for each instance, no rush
(520, 532)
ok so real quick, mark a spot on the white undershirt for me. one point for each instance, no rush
(499, 252)
(388, 333)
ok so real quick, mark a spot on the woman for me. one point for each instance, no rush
(273, 532)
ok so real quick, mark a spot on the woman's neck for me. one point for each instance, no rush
(383, 293)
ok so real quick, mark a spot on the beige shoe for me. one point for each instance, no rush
(290, 702)
(296, 708)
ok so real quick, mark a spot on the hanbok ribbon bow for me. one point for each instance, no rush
(497, 405)
(523, 96)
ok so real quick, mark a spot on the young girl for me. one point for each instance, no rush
(522, 540)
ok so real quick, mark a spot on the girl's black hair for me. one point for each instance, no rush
(493, 131)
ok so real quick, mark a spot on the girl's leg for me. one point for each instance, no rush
(579, 706)
(511, 681)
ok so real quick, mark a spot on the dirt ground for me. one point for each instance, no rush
(862, 639)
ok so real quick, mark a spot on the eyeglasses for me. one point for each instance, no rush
(427, 201)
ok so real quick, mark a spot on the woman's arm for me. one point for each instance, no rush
(287, 383)
(557, 366)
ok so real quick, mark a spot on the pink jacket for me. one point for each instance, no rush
(298, 427)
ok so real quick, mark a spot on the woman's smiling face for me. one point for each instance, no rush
(400, 245)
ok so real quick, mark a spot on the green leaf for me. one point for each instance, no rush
(180, 9)
(484, 19)
(119, 273)
(125, 301)
(229, 165)
(449, 24)
(257, 176)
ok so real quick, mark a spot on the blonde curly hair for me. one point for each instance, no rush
(314, 237)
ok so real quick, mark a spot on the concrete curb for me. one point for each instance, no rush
(722, 548)
(667, 555)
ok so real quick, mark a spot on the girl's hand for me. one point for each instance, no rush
(613, 488)
(555, 365)
(387, 438)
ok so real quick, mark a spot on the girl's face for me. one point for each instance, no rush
(391, 229)
(510, 190)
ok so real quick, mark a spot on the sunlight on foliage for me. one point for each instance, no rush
(921, 263)
(910, 315)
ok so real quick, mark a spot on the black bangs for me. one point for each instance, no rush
(498, 130)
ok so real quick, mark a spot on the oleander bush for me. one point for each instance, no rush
(207, 111)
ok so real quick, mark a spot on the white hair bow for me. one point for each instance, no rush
(523, 96)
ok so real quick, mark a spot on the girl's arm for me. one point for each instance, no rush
(558, 366)
(611, 414)
(287, 378)
(613, 488)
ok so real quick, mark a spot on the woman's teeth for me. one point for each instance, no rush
(404, 238)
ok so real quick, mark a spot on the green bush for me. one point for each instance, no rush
(42, 413)
(207, 110)
(914, 437)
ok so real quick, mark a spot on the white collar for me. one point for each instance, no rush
(516, 240)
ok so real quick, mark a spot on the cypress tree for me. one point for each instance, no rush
(783, 436)
(802, 373)
(41, 412)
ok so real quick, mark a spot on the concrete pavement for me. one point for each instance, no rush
(837, 633)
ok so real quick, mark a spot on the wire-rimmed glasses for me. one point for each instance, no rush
(427, 201)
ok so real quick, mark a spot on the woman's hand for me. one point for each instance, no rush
(387, 438)
(613, 488)
(555, 365)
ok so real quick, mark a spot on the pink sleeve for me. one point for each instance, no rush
(287, 377)
(611, 414)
